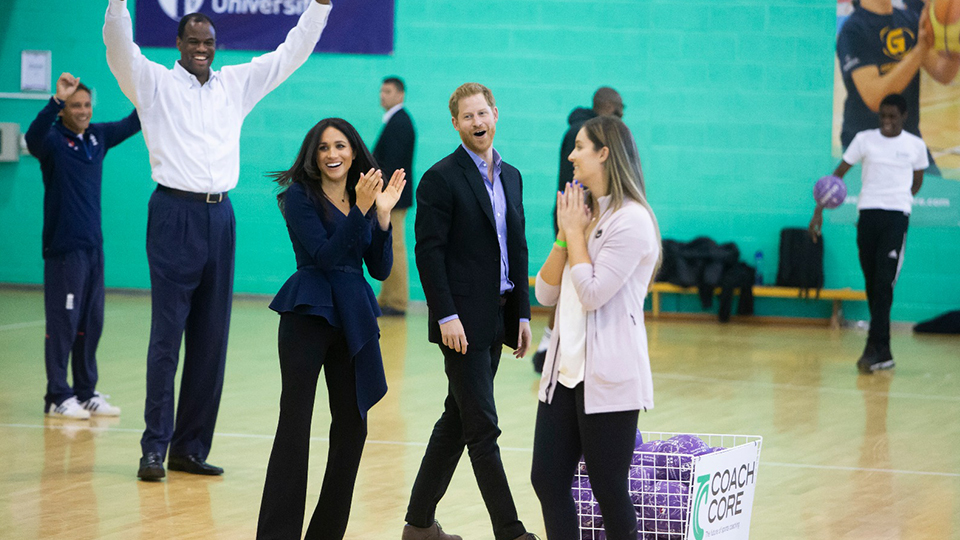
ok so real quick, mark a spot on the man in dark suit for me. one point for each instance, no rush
(394, 150)
(472, 256)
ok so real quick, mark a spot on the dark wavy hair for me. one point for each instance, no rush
(306, 172)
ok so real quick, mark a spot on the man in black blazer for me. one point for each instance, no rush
(472, 256)
(394, 150)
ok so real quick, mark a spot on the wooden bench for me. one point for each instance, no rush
(837, 296)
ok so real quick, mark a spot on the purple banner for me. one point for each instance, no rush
(355, 26)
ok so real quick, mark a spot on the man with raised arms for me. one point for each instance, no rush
(191, 118)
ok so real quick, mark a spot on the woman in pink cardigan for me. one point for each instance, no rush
(596, 376)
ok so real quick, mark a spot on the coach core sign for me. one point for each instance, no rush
(723, 493)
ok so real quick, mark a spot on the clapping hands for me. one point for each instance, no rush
(573, 214)
(388, 198)
(368, 189)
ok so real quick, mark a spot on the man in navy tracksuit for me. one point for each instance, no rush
(71, 152)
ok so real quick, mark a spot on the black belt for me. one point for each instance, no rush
(212, 198)
(344, 269)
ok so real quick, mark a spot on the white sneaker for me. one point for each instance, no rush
(70, 408)
(98, 406)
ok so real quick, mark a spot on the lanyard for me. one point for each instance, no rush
(82, 142)
(86, 149)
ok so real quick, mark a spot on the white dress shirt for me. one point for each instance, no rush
(392, 111)
(193, 131)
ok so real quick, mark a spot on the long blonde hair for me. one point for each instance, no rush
(622, 172)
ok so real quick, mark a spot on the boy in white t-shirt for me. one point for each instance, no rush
(893, 164)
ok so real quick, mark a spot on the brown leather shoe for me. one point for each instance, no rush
(433, 532)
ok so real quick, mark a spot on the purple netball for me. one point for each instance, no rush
(688, 444)
(830, 191)
(642, 481)
(638, 440)
(590, 518)
(668, 460)
(581, 488)
(593, 533)
(678, 465)
(644, 454)
(665, 510)
(709, 450)
(587, 508)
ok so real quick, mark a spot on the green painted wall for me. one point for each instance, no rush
(730, 103)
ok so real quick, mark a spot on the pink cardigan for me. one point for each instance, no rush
(624, 251)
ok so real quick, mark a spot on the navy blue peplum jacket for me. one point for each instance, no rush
(331, 249)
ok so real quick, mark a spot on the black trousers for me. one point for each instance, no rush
(190, 250)
(564, 432)
(73, 296)
(469, 419)
(881, 239)
(306, 344)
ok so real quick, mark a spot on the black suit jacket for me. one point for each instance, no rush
(458, 255)
(394, 150)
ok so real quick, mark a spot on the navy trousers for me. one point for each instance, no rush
(190, 249)
(306, 343)
(73, 299)
(469, 419)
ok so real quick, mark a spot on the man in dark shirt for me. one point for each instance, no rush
(881, 50)
(606, 101)
(71, 152)
(394, 150)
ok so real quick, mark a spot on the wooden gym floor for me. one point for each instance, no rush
(844, 456)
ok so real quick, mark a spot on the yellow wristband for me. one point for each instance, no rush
(560, 244)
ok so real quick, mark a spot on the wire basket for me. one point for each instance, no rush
(683, 487)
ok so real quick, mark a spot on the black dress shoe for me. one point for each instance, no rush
(151, 467)
(192, 465)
